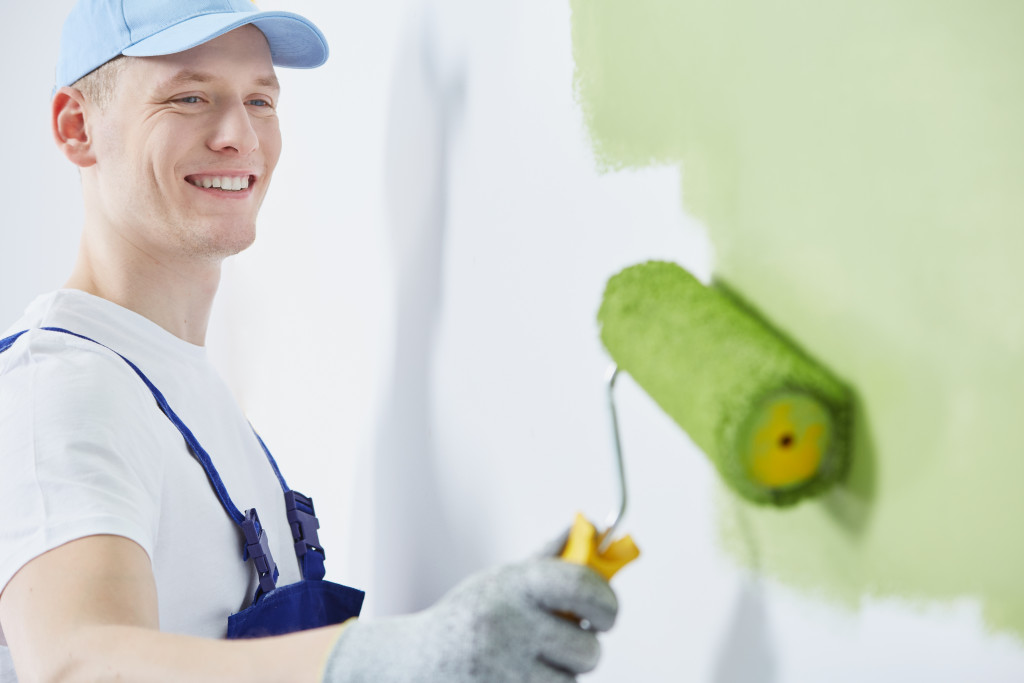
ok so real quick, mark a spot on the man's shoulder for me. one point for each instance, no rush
(59, 369)
(75, 336)
(51, 344)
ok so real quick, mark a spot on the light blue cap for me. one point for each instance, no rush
(97, 31)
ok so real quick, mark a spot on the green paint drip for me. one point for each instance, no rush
(858, 165)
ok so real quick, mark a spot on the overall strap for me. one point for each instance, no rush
(257, 544)
(303, 522)
(302, 519)
(6, 342)
(193, 443)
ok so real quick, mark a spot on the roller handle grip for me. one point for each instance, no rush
(582, 548)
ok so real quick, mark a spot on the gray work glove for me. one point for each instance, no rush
(500, 626)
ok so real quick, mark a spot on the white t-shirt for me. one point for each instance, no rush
(85, 450)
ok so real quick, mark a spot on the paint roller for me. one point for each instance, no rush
(773, 421)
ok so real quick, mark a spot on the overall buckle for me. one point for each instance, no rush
(257, 547)
(303, 521)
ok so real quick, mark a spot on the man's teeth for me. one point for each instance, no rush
(232, 184)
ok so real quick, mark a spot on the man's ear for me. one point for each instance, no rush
(68, 119)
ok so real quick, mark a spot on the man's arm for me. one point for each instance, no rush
(87, 611)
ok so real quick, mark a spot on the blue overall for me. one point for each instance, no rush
(308, 603)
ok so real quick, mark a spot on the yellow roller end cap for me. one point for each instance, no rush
(789, 441)
(582, 549)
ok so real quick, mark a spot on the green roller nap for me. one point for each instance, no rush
(774, 422)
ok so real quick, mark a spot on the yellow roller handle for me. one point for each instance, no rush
(582, 548)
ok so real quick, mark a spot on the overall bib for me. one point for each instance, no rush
(308, 603)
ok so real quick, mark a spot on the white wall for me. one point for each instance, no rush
(41, 211)
(414, 336)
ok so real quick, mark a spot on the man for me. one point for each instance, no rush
(122, 453)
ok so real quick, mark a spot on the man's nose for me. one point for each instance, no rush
(234, 130)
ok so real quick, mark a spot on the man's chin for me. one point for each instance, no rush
(220, 244)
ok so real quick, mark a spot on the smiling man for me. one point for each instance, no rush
(175, 168)
(130, 544)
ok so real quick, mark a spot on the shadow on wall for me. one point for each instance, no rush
(746, 654)
(849, 503)
(413, 545)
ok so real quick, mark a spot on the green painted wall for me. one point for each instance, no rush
(860, 166)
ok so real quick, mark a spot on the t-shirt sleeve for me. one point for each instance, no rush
(76, 449)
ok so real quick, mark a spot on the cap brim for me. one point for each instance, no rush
(294, 40)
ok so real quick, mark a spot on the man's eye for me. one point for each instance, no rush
(258, 102)
(190, 99)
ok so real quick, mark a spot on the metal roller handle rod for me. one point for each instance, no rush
(615, 516)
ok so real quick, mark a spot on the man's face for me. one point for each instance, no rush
(186, 150)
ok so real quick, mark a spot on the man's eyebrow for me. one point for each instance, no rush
(188, 76)
(269, 81)
(185, 77)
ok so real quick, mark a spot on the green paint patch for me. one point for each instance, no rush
(858, 165)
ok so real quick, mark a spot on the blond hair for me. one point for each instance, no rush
(99, 85)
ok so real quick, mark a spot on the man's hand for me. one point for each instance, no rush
(502, 626)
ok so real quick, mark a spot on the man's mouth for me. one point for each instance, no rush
(225, 183)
